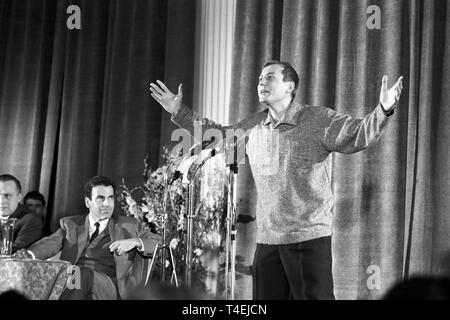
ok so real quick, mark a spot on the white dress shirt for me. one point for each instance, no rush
(92, 221)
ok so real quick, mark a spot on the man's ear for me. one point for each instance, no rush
(19, 197)
(291, 87)
(87, 202)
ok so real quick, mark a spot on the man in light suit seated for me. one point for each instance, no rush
(103, 245)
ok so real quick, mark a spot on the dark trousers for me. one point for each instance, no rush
(84, 292)
(93, 286)
(296, 271)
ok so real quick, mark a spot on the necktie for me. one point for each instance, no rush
(95, 234)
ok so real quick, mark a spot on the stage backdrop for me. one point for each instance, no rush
(391, 201)
(75, 103)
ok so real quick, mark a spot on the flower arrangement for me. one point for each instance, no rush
(155, 201)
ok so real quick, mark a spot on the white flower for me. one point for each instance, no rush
(174, 243)
(198, 252)
(144, 208)
(134, 209)
(130, 201)
(181, 222)
(150, 218)
(180, 190)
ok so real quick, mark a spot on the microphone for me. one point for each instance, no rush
(233, 148)
(205, 155)
(194, 159)
(203, 144)
(175, 176)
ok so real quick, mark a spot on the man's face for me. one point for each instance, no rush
(35, 205)
(9, 198)
(101, 204)
(271, 87)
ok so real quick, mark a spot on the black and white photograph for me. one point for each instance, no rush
(241, 151)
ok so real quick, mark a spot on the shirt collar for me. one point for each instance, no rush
(289, 117)
(92, 222)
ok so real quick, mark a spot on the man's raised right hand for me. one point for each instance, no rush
(169, 101)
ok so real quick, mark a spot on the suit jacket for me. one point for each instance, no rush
(72, 237)
(27, 229)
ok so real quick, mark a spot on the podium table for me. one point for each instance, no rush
(35, 279)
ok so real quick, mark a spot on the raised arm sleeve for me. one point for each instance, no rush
(345, 134)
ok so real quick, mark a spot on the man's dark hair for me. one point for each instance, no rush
(289, 73)
(8, 177)
(35, 195)
(97, 181)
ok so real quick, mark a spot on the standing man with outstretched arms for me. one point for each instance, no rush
(294, 205)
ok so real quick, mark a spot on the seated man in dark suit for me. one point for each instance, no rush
(103, 245)
(28, 226)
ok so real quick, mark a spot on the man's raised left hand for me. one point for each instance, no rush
(390, 97)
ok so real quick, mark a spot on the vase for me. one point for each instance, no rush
(6, 236)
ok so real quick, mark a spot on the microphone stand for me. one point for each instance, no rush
(230, 245)
(192, 178)
(164, 246)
